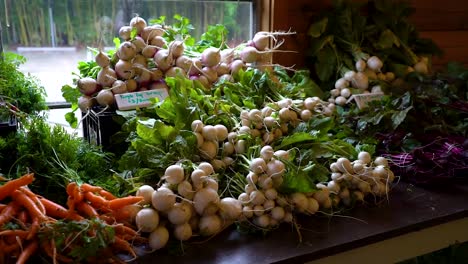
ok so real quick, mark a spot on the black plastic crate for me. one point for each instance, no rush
(8, 126)
(100, 125)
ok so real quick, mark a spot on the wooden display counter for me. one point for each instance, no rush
(414, 221)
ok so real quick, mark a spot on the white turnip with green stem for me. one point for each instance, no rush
(158, 238)
(163, 199)
(102, 59)
(175, 72)
(174, 174)
(183, 232)
(140, 60)
(341, 83)
(210, 73)
(149, 32)
(177, 48)
(131, 84)
(206, 167)
(374, 63)
(139, 44)
(147, 220)
(236, 66)
(210, 225)
(184, 62)
(261, 39)
(156, 74)
(230, 208)
(146, 191)
(179, 214)
(138, 23)
(204, 199)
(149, 51)
(222, 69)
(360, 65)
(360, 81)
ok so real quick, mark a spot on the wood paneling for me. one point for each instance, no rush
(446, 22)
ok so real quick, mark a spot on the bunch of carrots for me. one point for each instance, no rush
(33, 225)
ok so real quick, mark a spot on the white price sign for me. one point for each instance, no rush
(141, 99)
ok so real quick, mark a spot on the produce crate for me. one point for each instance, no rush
(99, 126)
(8, 126)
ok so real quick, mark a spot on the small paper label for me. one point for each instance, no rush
(363, 99)
(141, 99)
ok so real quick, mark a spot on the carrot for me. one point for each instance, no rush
(124, 201)
(86, 209)
(28, 251)
(96, 200)
(23, 217)
(22, 199)
(34, 198)
(122, 229)
(9, 212)
(123, 245)
(2, 206)
(8, 248)
(9, 187)
(51, 250)
(85, 187)
(57, 211)
(14, 232)
(34, 228)
(107, 195)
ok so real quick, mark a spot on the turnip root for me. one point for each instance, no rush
(132, 85)
(177, 48)
(163, 199)
(102, 59)
(119, 87)
(85, 102)
(360, 81)
(105, 98)
(211, 57)
(205, 198)
(158, 238)
(138, 23)
(125, 32)
(124, 69)
(87, 86)
(360, 65)
(147, 220)
(230, 208)
(421, 67)
(374, 63)
(210, 225)
(236, 66)
(174, 174)
(126, 51)
(149, 32)
(179, 214)
(175, 71)
(146, 191)
(106, 77)
(163, 59)
(183, 232)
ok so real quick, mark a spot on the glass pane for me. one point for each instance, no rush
(54, 35)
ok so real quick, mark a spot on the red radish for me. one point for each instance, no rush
(126, 51)
(163, 59)
(106, 77)
(85, 102)
(119, 87)
(87, 86)
(125, 32)
(105, 98)
(211, 57)
(138, 23)
(132, 85)
(102, 59)
(124, 69)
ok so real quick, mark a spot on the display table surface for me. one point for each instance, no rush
(408, 209)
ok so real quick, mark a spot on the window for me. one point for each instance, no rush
(54, 35)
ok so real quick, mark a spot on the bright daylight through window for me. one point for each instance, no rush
(61, 33)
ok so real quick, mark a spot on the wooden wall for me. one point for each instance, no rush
(446, 22)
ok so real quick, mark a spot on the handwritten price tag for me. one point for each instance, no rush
(141, 99)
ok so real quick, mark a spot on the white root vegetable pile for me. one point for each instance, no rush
(188, 201)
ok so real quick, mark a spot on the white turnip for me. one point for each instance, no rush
(147, 220)
(105, 98)
(87, 85)
(158, 238)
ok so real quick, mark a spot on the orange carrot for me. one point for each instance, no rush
(34, 228)
(28, 251)
(122, 229)
(9, 212)
(22, 199)
(23, 217)
(55, 210)
(14, 232)
(96, 200)
(121, 202)
(85, 187)
(107, 195)
(86, 209)
(123, 245)
(2, 206)
(34, 198)
(9, 187)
